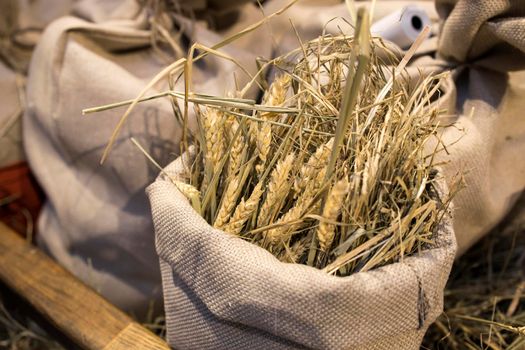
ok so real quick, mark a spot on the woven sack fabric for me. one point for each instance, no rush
(219, 296)
(222, 292)
(483, 43)
(96, 221)
(21, 23)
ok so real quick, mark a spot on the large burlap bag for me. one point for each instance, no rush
(96, 221)
(222, 292)
(483, 42)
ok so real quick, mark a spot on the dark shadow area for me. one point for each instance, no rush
(485, 294)
(22, 327)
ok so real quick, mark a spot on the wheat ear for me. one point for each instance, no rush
(214, 129)
(294, 253)
(332, 208)
(302, 204)
(253, 132)
(228, 203)
(186, 189)
(264, 139)
(237, 150)
(190, 192)
(278, 188)
(244, 211)
(275, 235)
(311, 168)
(276, 95)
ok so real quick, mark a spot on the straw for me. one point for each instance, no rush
(345, 117)
(485, 295)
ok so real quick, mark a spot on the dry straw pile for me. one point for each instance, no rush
(485, 296)
(333, 169)
(18, 331)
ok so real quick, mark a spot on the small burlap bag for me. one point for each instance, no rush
(222, 292)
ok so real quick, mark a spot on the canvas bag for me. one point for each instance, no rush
(484, 45)
(96, 221)
(199, 263)
(10, 127)
(222, 292)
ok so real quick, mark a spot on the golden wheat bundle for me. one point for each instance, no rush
(337, 163)
(334, 168)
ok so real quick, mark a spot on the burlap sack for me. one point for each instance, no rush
(222, 292)
(10, 115)
(483, 42)
(20, 25)
(97, 221)
(10, 106)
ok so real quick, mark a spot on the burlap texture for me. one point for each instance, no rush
(21, 23)
(222, 292)
(10, 115)
(474, 28)
(96, 221)
(483, 43)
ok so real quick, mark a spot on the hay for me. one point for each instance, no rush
(156, 325)
(485, 296)
(344, 109)
(19, 332)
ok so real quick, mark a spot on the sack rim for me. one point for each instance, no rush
(435, 262)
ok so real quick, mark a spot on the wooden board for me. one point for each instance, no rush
(79, 312)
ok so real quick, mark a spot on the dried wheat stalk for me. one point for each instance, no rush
(244, 211)
(264, 139)
(228, 204)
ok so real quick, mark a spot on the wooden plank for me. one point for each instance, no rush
(133, 337)
(78, 311)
